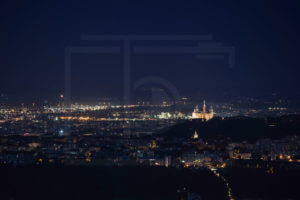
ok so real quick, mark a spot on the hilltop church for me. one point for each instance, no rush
(203, 115)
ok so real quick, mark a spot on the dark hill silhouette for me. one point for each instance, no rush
(237, 128)
(109, 183)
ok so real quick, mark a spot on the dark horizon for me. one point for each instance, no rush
(265, 37)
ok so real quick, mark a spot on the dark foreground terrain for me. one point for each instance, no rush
(90, 182)
(107, 183)
(258, 184)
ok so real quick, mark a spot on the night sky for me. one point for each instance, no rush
(265, 35)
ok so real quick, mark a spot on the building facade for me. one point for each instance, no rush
(203, 115)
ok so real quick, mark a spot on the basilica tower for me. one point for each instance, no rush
(203, 115)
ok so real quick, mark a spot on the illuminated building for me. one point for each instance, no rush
(203, 115)
(167, 161)
(154, 145)
(195, 136)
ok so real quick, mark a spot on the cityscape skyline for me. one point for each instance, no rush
(142, 100)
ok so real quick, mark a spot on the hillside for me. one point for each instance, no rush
(237, 128)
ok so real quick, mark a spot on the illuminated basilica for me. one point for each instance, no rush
(203, 115)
